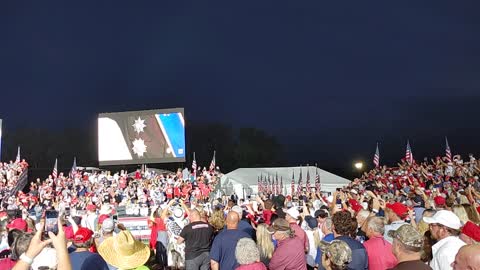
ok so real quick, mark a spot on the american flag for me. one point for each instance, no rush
(277, 187)
(212, 164)
(409, 154)
(317, 180)
(55, 171)
(194, 166)
(293, 183)
(73, 172)
(307, 183)
(448, 153)
(281, 184)
(376, 157)
(259, 184)
(265, 185)
(272, 184)
(269, 184)
(300, 185)
(17, 160)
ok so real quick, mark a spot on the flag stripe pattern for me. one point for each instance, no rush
(448, 153)
(409, 154)
(55, 171)
(300, 184)
(194, 166)
(376, 157)
(317, 181)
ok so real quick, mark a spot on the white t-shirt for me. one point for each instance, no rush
(444, 252)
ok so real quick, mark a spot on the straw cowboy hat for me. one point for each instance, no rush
(124, 251)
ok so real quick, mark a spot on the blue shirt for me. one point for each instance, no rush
(359, 253)
(223, 248)
(244, 226)
(86, 260)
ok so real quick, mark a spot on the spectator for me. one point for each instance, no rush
(472, 213)
(243, 225)
(289, 254)
(158, 234)
(292, 216)
(108, 226)
(460, 212)
(82, 258)
(313, 235)
(468, 258)
(217, 220)
(36, 246)
(89, 221)
(395, 214)
(222, 253)
(198, 238)
(124, 251)
(248, 255)
(327, 230)
(380, 256)
(444, 226)
(337, 255)
(407, 247)
(342, 228)
(361, 217)
(470, 233)
(264, 243)
(422, 225)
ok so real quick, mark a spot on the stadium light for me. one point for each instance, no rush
(358, 165)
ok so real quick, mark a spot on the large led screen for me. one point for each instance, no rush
(141, 137)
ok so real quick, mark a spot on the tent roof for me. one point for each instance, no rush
(249, 176)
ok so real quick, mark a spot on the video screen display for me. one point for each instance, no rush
(141, 137)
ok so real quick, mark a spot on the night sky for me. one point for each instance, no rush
(327, 79)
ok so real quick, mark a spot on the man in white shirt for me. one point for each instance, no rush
(444, 227)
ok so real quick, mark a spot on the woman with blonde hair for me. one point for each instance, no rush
(217, 220)
(264, 243)
(459, 210)
(472, 213)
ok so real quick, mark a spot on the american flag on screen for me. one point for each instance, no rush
(448, 153)
(376, 157)
(300, 185)
(409, 154)
(55, 171)
(194, 166)
(212, 164)
(293, 183)
(317, 180)
(307, 183)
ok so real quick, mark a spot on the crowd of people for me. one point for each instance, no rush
(412, 216)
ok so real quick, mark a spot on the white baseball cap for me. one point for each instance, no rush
(445, 218)
(293, 212)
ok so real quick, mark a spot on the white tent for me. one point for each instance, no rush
(244, 180)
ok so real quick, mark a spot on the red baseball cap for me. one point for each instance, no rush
(439, 200)
(91, 207)
(82, 235)
(471, 230)
(19, 224)
(399, 209)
